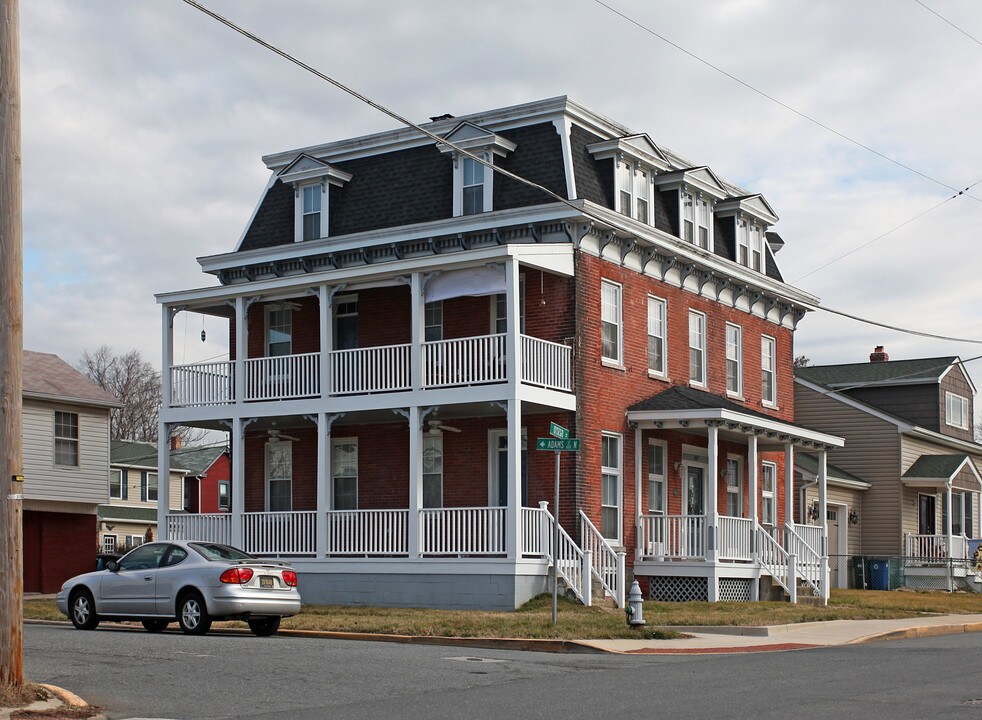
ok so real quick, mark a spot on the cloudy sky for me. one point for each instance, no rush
(144, 124)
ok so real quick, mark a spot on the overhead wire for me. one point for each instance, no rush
(949, 22)
(501, 171)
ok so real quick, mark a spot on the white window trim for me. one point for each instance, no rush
(738, 393)
(950, 399)
(655, 372)
(228, 506)
(771, 495)
(493, 458)
(266, 469)
(521, 308)
(298, 209)
(334, 475)
(56, 437)
(269, 310)
(630, 183)
(156, 488)
(653, 477)
(736, 482)
(433, 308)
(121, 481)
(619, 360)
(771, 401)
(458, 182)
(619, 473)
(699, 200)
(109, 539)
(701, 382)
(433, 438)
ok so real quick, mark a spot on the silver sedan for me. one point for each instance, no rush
(191, 582)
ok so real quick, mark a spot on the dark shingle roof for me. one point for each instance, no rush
(683, 397)
(47, 375)
(126, 512)
(935, 466)
(809, 463)
(133, 452)
(921, 369)
(196, 460)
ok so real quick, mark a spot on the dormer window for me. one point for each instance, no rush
(636, 161)
(311, 179)
(750, 244)
(751, 216)
(634, 191)
(473, 182)
(698, 192)
(696, 220)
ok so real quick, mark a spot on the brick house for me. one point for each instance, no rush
(66, 469)
(401, 319)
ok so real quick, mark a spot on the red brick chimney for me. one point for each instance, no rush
(175, 441)
(878, 355)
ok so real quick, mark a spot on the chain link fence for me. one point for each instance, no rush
(891, 572)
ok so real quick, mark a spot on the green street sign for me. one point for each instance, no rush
(558, 431)
(558, 445)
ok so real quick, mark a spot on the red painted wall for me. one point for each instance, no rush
(57, 546)
(221, 469)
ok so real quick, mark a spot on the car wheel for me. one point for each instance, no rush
(192, 615)
(82, 610)
(155, 626)
(264, 627)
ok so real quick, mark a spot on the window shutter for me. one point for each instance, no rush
(143, 485)
(123, 483)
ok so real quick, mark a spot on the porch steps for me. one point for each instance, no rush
(770, 590)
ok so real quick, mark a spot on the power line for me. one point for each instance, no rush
(949, 22)
(773, 99)
(898, 329)
(409, 123)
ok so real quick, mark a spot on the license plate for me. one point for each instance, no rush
(265, 581)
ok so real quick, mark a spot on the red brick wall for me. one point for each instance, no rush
(57, 546)
(605, 393)
(221, 469)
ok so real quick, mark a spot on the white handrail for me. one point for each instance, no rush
(384, 368)
(533, 532)
(776, 560)
(368, 532)
(678, 537)
(811, 534)
(462, 531)
(607, 564)
(809, 565)
(279, 533)
(935, 547)
(570, 561)
(465, 361)
(283, 377)
(547, 364)
(202, 384)
(209, 527)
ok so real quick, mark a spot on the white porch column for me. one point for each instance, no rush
(238, 475)
(241, 350)
(326, 333)
(415, 479)
(823, 514)
(513, 514)
(323, 473)
(712, 501)
(513, 344)
(167, 359)
(163, 479)
(752, 503)
(638, 511)
(789, 484)
(417, 332)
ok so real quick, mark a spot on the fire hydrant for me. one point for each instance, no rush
(635, 606)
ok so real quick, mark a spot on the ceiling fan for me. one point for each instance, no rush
(277, 435)
(437, 427)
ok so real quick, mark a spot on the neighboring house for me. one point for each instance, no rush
(207, 482)
(134, 489)
(908, 426)
(66, 466)
(404, 324)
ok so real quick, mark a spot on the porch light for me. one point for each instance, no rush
(203, 335)
(853, 517)
(813, 510)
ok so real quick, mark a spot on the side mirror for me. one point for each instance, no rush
(112, 566)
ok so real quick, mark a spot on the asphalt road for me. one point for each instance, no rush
(135, 674)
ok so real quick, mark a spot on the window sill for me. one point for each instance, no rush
(659, 376)
(612, 364)
(769, 405)
(736, 396)
(699, 385)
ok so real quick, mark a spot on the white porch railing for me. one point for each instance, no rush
(547, 364)
(212, 527)
(735, 538)
(462, 531)
(467, 361)
(607, 564)
(809, 561)
(368, 532)
(279, 533)
(202, 384)
(935, 547)
(535, 530)
(283, 377)
(777, 561)
(572, 564)
(811, 534)
(673, 536)
(373, 369)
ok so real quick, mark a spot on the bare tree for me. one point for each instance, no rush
(136, 384)
(802, 361)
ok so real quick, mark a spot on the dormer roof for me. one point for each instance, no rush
(306, 167)
(700, 179)
(754, 205)
(471, 137)
(638, 147)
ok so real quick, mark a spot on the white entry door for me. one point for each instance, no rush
(694, 504)
(832, 514)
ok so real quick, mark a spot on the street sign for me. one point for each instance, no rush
(558, 431)
(558, 445)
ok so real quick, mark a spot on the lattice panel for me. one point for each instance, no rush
(678, 589)
(734, 589)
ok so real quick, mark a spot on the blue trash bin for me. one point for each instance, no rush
(879, 573)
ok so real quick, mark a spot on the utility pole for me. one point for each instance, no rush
(11, 352)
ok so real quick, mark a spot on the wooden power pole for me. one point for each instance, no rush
(11, 352)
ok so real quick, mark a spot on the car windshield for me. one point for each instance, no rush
(213, 551)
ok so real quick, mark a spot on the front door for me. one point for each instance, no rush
(695, 504)
(832, 518)
(925, 515)
(499, 469)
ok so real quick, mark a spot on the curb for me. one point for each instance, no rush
(69, 698)
(922, 631)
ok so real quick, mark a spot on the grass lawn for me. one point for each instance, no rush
(575, 621)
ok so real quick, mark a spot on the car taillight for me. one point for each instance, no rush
(290, 578)
(237, 575)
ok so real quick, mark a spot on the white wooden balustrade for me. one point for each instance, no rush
(283, 377)
(778, 562)
(279, 533)
(811, 534)
(673, 536)
(809, 561)
(935, 547)
(466, 361)
(735, 538)
(535, 528)
(210, 527)
(607, 564)
(384, 368)
(573, 565)
(462, 531)
(547, 364)
(202, 384)
(368, 532)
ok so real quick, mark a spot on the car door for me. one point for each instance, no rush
(172, 575)
(129, 590)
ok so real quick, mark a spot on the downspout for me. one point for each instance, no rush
(803, 490)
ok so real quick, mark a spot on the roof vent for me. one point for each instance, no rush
(878, 355)
(446, 116)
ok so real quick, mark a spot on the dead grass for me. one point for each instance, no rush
(575, 621)
(11, 696)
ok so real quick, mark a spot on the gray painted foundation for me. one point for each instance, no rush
(456, 592)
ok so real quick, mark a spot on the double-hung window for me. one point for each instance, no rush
(767, 371)
(768, 505)
(116, 484)
(697, 348)
(149, 487)
(734, 359)
(961, 516)
(696, 220)
(279, 330)
(750, 245)
(626, 207)
(656, 478)
(641, 206)
(279, 476)
(734, 487)
(344, 464)
(610, 486)
(473, 186)
(311, 211)
(432, 471)
(66, 438)
(433, 321)
(224, 495)
(956, 411)
(657, 336)
(612, 339)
